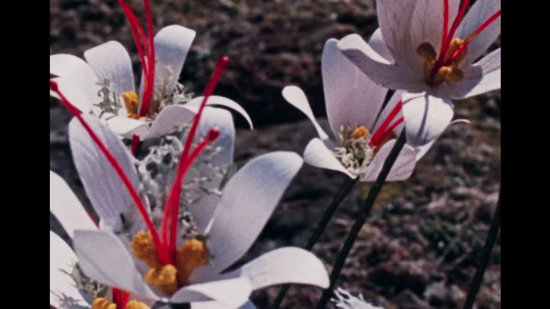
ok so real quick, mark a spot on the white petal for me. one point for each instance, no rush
(204, 208)
(72, 67)
(103, 257)
(111, 61)
(422, 150)
(168, 120)
(317, 154)
(172, 44)
(394, 100)
(62, 286)
(247, 202)
(351, 97)
(295, 96)
(377, 43)
(285, 265)
(427, 22)
(379, 69)
(231, 292)
(80, 94)
(478, 14)
(482, 77)
(66, 207)
(104, 187)
(395, 19)
(127, 127)
(195, 103)
(401, 169)
(426, 117)
(216, 305)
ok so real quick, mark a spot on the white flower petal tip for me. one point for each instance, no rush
(195, 103)
(344, 300)
(63, 289)
(247, 202)
(297, 98)
(112, 62)
(285, 265)
(127, 127)
(104, 258)
(317, 154)
(168, 120)
(66, 207)
(172, 44)
(426, 117)
(231, 292)
(465, 121)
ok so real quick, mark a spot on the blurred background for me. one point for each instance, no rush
(424, 237)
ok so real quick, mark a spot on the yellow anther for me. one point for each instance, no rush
(164, 277)
(427, 52)
(455, 44)
(436, 73)
(144, 249)
(191, 255)
(102, 303)
(360, 132)
(134, 304)
(131, 101)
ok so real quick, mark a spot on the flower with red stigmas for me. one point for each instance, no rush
(431, 49)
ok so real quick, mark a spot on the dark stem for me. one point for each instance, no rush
(485, 257)
(362, 217)
(343, 191)
(161, 305)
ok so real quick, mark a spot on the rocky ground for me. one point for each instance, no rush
(421, 244)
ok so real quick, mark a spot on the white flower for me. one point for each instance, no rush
(227, 226)
(363, 134)
(117, 103)
(424, 48)
(345, 300)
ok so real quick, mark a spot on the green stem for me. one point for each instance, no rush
(361, 219)
(485, 257)
(343, 191)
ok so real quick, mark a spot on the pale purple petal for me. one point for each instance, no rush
(285, 265)
(247, 202)
(422, 150)
(172, 44)
(231, 292)
(295, 96)
(104, 187)
(82, 95)
(317, 154)
(379, 69)
(427, 22)
(168, 120)
(103, 257)
(377, 43)
(66, 207)
(350, 96)
(216, 305)
(72, 67)
(195, 103)
(478, 14)
(395, 19)
(483, 76)
(111, 62)
(62, 286)
(426, 117)
(127, 127)
(401, 169)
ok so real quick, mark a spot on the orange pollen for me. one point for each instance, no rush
(102, 303)
(435, 73)
(360, 132)
(191, 255)
(163, 277)
(134, 304)
(131, 102)
(144, 249)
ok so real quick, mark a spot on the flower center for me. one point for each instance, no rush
(169, 278)
(102, 303)
(444, 69)
(131, 102)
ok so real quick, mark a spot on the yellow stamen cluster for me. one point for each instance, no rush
(435, 76)
(360, 132)
(102, 303)
(191, 255)
(169, 278)
(131, 101)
